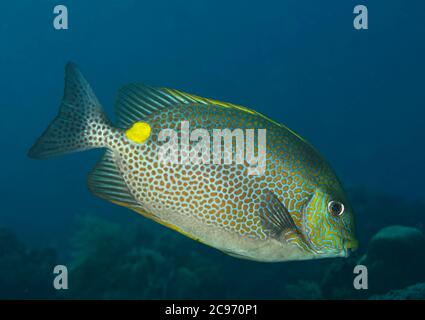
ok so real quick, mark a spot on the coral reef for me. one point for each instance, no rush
(337, 281)
(24, 273)
(414, 292)
(110, 261)
(305, 290)
(395, 258)
(138, 259)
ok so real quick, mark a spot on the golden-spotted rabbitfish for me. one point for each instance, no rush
(294, 209)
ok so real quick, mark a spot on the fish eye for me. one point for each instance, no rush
(336, 208)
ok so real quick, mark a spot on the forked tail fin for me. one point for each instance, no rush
(80, 124)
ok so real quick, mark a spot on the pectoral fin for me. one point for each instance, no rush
(278, 223)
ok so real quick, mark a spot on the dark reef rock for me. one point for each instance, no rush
(24, 273)
(337, 281)
(306, 290)
(395, 258)
(112, 261)
(415, 292)
(138, 259)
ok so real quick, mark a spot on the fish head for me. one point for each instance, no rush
(328, 223)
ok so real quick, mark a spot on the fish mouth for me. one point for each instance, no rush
(350, 246)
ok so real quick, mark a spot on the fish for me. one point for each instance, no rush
(292, 207)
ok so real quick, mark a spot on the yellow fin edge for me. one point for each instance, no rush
(175, 94)
(152, 217)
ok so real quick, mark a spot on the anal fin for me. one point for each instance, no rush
(106, 182)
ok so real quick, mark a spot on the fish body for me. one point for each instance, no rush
(284, 212)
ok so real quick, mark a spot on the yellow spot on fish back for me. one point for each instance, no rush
(139, 132)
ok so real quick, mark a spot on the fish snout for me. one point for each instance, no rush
(350, 247)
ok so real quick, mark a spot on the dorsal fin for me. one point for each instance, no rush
(136, 101)
(106, 182)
